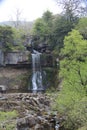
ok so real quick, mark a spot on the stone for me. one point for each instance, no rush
(2, 89)
(30, 114)
(30, 121)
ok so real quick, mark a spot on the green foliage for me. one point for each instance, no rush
(82, 26)
(51, 78)
(75, 47)
(39, 27)
(10, 126)
(17, 39)
(7, 115)
(6, 119)
(52, 29)
(43, 26)
(48, 19)
(9, 37)
(83, 128)
(61, 28)
(78, 114)
(6, 37)
(74, 84)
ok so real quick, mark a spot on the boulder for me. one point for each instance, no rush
(2, 89)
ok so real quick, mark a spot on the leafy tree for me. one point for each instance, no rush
(18, 39)
(82, 26)
(61, 28)
(39, 27)
(43, 27)
(53, 29)
(75, 58)
(73, 72)
(10, 38)
(48, 19)
(6, 37)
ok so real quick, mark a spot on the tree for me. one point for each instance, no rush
(74, 81)
(18, 39)
(6, 37)
(43, 26)
(18, 22)
(10, 39)
(47, 18)
(39, 27)
(72, 8)
(60, 29)
(16, 18)
(82, 26)
(74, 56)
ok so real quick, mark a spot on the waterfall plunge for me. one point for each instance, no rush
(37, 72)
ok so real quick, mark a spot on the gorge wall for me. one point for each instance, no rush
(16, 68)
(14, 79)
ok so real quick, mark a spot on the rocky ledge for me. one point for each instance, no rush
(33, 111)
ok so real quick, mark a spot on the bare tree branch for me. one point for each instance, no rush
(75, 6)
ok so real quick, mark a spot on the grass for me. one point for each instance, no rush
(7, 120)
(83, 128)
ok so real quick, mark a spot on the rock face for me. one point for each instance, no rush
(33, 109)
(1, 58)
(14, 79)
(14, 58)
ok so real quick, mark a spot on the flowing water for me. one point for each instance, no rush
(37, 84)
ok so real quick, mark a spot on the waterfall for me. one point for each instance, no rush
(37, 84)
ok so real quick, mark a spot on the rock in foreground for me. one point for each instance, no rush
(33, 110)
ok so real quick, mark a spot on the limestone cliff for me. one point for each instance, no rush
(14, 79)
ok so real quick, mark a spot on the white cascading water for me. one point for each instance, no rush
(37, 74)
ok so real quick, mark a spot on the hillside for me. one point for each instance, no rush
(24, 24)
